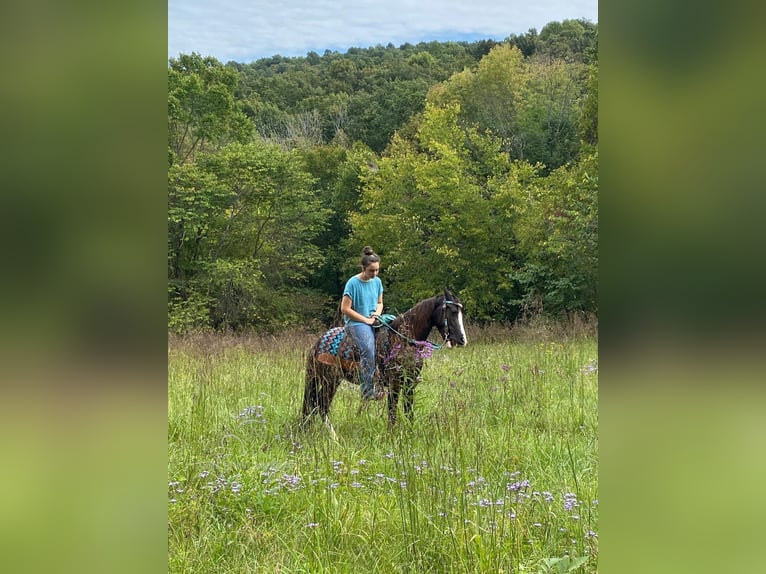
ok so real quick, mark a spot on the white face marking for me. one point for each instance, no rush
(462, 329)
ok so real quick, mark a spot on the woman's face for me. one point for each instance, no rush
(371, 271)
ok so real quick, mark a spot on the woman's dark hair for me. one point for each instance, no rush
(369, 256)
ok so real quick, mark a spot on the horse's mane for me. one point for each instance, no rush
(417, 317)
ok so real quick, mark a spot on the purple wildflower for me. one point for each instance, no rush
(292, 480)
(518, 485)
(393, 353)
(424, 349)
(570, 501)
(219, 483)
(252, 411)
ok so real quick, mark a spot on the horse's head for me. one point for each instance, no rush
(450, 324)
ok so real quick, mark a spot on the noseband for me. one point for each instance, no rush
(444, 312)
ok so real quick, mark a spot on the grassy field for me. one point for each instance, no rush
(498, 473)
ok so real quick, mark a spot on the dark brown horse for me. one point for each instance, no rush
(401, 348)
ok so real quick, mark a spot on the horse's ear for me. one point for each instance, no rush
(447, 294)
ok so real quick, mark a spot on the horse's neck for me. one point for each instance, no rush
(416, 323)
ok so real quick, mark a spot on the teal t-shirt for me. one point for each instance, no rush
(364, 296)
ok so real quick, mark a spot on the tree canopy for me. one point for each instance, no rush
(472, 166)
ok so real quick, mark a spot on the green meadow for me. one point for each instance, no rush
(498, 472)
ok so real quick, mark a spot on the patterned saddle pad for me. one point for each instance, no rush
(334, 348)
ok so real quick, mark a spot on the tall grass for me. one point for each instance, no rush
(498, 473)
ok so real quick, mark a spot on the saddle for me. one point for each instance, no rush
(332, 350)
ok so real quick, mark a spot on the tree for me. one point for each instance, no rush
(568, 40)
(196, 203)
(258, 249)
(588, 124)
(202, 111)
(533, 106)
(337, 182)
(428, 210)
(549, 113)
(557, 230)
(527, 43)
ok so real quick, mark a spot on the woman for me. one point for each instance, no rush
(361, 305)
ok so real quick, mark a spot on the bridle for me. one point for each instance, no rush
(416, 342)
(444, 313)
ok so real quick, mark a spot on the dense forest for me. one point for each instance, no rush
(472, 166)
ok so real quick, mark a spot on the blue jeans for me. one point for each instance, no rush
(364, 337)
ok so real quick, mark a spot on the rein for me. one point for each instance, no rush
(411, 341)
(433, 345)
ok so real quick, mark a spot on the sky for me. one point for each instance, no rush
(246, 30)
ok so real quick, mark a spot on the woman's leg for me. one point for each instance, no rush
(365, 340)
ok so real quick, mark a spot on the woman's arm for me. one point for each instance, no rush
(345, 308)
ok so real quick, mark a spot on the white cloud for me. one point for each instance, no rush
(243, 30)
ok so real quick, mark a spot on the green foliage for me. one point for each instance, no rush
(568, 40)
(562, 565)
(533, 105)
(337, 182)
(202, 109)
(189, 314)
(367, 93)
(466, 165)
(588, 126)
(526, 43)
(557, 230)
(244, 221)
(430, 207)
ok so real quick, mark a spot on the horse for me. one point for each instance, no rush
(401, 348)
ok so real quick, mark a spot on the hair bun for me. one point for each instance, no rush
(367, 250)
